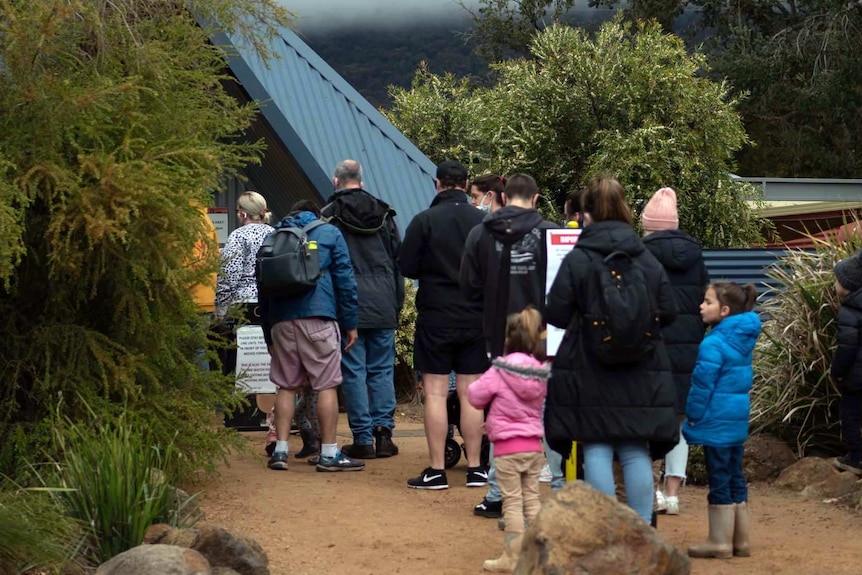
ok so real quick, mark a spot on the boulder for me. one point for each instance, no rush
(156, 560)
(221, 548)
(223, 571)
(836, 485)
(766, 457)
(582, 531)
(805, 472)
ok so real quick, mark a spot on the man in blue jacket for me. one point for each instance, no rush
(303, 337)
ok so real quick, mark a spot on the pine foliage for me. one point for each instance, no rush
(115, 128)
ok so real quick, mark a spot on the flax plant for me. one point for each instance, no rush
(793, 396)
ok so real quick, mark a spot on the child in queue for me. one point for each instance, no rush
(515, 387)
(718, 410)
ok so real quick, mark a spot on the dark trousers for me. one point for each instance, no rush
(851, 422)
(727, 484)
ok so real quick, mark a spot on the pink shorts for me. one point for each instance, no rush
(306, 350)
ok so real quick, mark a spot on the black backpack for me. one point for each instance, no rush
(287, 263)
(622, 325)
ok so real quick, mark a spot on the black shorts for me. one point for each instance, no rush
(442, 350)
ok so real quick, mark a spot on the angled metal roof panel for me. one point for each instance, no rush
(323, 120)
(744, 266)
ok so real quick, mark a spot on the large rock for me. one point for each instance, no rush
(156, 560)
(805, 472)
(581, 531)
(817, 478)
(766, 457)
(221, 548)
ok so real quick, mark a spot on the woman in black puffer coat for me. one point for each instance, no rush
(619, 408)
(682, 258)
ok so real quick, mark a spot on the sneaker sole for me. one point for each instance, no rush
(428, 487)
(477, 484)
(387, 454)
(278, 466)
(323, 469)
(845, 467)
(488, 514)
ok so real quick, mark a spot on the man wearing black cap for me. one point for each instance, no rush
(448, 327)
(846, 368)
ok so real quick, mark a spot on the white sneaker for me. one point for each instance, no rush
(545, 475)
(671, 505)
(660, 502)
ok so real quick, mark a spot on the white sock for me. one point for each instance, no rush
(328, 449)
(280, 447)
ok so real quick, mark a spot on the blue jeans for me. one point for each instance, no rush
(637, 471)
(727, 483)
(368, 371)
(494, 494)
(555, 462)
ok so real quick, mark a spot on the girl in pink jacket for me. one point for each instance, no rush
(515, 389)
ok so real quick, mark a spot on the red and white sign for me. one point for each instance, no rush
(559, 244)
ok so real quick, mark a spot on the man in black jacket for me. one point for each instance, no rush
(448, 327)
(504, 267)
(368, 368)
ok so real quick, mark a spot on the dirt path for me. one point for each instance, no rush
(370, 523)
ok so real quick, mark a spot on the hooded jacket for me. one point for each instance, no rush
(682, 259)
(718, 405)
(431, 253)
(504, 268)
(847, 361)
(591, 402)
(368, 227)
(334, 296)
(515, 388)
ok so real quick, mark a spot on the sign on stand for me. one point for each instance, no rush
(252, 360)
(559, 243)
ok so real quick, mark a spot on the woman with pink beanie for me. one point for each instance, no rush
(682, 258)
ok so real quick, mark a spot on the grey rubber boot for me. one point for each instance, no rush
(720, 542)
(741, 524)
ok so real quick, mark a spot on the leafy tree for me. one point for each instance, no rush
(114, 125)
(506, 27)
(801, 64)
(627, 101)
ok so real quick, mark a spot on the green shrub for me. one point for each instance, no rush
(793, 396)
(405, 376)
(116, 482)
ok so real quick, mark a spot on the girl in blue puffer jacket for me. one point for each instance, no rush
(717, 413)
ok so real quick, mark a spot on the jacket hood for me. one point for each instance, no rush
(610, 236)
(854, 300)
(451, 196)
(525, 375)
(296, 220)
(674, 249)
(740, 331)
(512, 222)
(358, 210)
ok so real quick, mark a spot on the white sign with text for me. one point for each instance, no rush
(559, 244)
(252, 360)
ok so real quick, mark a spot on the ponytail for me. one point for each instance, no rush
(737, 298)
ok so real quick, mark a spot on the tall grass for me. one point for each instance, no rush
(116, 483)
(34, 532)
(793, 396)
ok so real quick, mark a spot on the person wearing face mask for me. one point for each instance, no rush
(486, 192)
(504, 267)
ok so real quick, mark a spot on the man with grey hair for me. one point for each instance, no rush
(368, 368)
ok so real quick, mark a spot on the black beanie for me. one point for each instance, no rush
(848, 272)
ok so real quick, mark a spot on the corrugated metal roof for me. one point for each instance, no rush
(322, 120)
(743, 266)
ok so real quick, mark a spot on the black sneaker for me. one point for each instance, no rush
(385, 446)
(846, 464)
(477, 477)
(278, 461)
(356, 451)
(489, 509)
(340, 462)
(434, 479)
